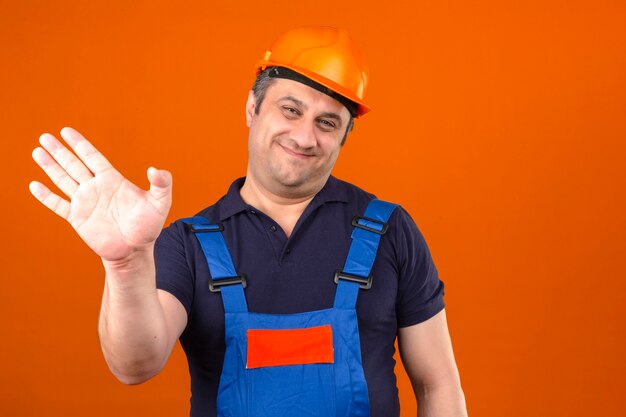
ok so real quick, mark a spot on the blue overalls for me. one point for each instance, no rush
(294, 365)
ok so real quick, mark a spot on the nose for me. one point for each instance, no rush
(303, 133)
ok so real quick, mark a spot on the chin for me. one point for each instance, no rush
(291, 179)
(293, 183)
(302, 183)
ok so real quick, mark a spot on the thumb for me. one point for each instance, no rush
(160, 183)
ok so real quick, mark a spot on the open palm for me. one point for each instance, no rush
(111, 214)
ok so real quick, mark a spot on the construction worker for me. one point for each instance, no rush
(288, 293)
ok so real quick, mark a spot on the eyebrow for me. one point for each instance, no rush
(329, 115)
(294, 100)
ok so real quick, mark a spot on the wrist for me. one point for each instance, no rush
(139, 260)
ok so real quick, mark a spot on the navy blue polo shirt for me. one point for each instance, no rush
(295, 274)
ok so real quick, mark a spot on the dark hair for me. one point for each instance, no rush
(264, 81)
(260, 86)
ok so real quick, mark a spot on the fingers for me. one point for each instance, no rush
(89, 155)
(160, 183)
(66, 160)
(49, 199)
(58, 175)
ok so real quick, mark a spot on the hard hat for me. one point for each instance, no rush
(325, 55)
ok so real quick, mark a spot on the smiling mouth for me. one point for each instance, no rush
(296, 153)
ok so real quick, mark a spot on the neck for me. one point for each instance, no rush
(283, 209)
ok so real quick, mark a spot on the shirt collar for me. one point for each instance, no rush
(333, 191)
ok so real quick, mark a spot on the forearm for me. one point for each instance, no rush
(132, 326)
(445, 399)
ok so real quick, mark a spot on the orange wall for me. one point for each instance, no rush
(499, 125)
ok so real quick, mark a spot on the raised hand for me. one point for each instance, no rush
(111, 214)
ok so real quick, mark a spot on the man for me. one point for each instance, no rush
(293, 346)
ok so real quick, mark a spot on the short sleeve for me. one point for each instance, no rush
(172, 269)
(420, 292)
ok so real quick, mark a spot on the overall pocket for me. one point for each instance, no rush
(291, 372)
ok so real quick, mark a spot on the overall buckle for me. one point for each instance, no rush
(204, 228)
(364, 283)
(383, 226)
(215, 285)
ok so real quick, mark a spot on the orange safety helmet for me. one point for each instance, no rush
(325, 55)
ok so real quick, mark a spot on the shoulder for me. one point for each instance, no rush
(229, 204)
(360, 199)
(175, 236)
(348, 189)
(402, 227)
(355, 198)
(403, 243)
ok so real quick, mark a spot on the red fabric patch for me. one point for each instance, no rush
(290, 346)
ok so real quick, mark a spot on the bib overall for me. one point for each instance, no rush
(294, 365)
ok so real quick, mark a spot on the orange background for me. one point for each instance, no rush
(500, 126)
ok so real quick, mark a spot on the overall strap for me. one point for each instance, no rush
(366, 235)
(223, 277)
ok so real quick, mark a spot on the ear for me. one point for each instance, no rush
(250, 107)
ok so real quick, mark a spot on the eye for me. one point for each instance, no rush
(290, 111)
(326, 124)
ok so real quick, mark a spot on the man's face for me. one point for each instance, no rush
(295, 138)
